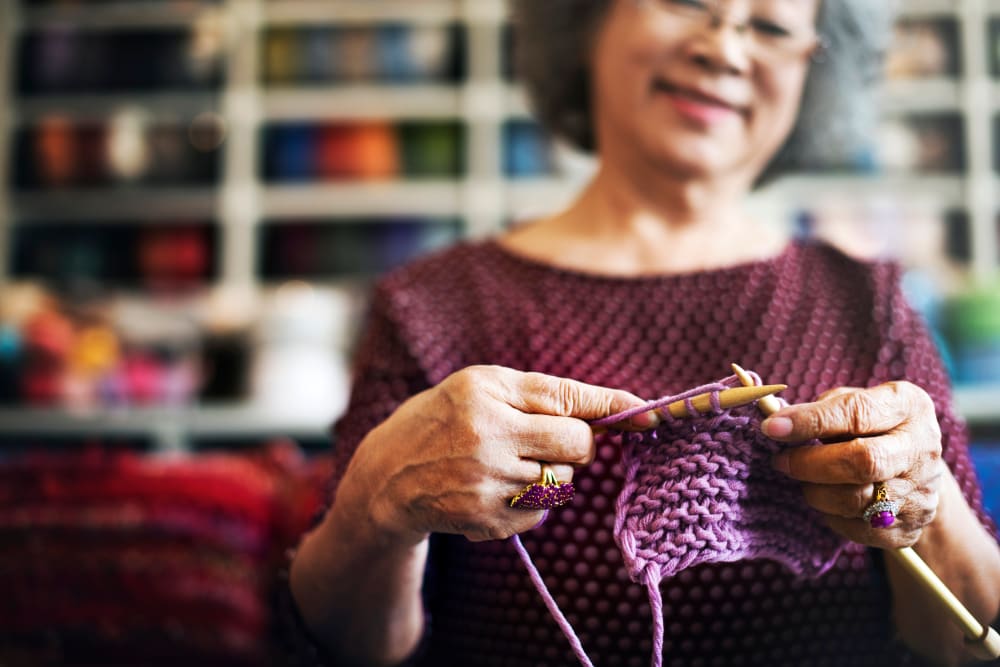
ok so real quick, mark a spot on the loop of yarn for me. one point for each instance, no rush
(701, 489)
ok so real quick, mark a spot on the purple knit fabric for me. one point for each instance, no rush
(701, 489)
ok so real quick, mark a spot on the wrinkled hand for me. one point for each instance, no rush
(450, 458)
(887, 433)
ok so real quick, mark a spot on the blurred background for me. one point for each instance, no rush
(194, 199)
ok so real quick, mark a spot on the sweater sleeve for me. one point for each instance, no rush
(910, 354)
(385, 374)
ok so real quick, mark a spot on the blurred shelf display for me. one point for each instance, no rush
(175, 253)
(166, 429)
(396, 53)
(371, 102)
(297, 12)
(245, 146)
(442, 197)
(924, 48)
(978, 404)
(116, 14)
(362, 151)
(349, 247)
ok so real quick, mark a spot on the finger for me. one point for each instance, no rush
(850, 500)
(863, 412)
(860, 531)
(537, 393)
(555, 439)
(858, 461)
(837, 391)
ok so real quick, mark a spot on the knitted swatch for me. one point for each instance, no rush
(701, 489)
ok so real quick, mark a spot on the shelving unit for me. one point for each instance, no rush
(166, 429)
(483, 197)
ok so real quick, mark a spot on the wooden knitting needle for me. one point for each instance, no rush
(728, 398)
(983, 642)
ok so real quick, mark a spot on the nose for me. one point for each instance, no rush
(724, 48)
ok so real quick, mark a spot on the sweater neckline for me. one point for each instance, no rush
(494, 246)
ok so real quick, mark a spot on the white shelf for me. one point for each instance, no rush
(170, 429)
(115, 204)
(921, 96)
(935, 191)
(159, 106)
(335, 12)
(978, 404)
(362, 102)
(430, 197)
(928, 8)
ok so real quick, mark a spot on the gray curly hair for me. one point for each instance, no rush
(836, 117)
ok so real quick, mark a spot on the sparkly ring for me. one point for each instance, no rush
(882, 512)
(546, 494)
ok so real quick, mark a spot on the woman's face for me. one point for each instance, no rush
(698, 88)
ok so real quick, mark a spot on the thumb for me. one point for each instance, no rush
(537, 393)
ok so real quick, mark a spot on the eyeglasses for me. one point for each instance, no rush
(771, 39)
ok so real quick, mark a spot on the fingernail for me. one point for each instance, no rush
(646, 420)
(776, 427)
(780, 463)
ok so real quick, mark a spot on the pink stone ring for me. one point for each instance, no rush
(546, 494)
(882, 512)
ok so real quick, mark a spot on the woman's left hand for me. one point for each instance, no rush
(887, 433)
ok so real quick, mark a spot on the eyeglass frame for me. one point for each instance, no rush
(717, 20)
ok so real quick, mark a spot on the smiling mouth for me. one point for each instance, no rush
(662, 86)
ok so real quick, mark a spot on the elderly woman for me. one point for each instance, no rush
(650, 283)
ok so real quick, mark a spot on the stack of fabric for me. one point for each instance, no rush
(124, 558)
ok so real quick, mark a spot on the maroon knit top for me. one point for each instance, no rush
(811, 317)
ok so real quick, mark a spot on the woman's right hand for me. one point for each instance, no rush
(450, 458)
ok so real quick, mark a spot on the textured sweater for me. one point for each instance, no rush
(811, 317)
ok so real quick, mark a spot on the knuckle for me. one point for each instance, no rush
(866, 463)
(565, 396)
(861, 411)
(581, 443)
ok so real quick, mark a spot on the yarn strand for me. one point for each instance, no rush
(554, 609)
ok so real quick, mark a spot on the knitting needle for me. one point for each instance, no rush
(728, 398)
(982, 641)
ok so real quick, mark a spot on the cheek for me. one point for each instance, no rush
(778, 106)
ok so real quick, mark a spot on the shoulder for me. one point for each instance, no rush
(820, 269)
(442, 277)
(438, 305)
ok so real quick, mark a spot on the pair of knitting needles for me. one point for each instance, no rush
(981, 640)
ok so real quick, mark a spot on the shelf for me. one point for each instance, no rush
(936, 191)
(516, 103)
(927, 8)
(115, 204)
(168, 428)
(367, 102)
(443, 198)
(361, 11)
(119, 14)
(978, 403)
(904, 96)
(160, 105)
(534, 196)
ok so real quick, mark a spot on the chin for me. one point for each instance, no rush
(695, 164)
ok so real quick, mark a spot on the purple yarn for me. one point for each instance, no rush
(701, 489)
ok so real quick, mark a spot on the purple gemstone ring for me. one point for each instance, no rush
(546, 494)
(882, 512)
